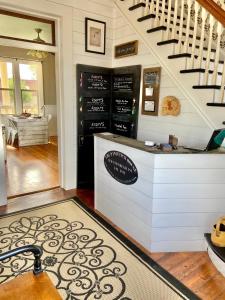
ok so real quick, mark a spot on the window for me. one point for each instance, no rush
(21, 87)
(7, 91)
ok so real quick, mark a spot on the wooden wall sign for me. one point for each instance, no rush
(150, 93)
(126, 49)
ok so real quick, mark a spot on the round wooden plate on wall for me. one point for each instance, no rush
(170, 106)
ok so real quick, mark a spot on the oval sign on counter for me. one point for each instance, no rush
(121, 167)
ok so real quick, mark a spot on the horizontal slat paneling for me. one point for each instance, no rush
(195, 176)
(176, 205)
(189, 191)
(205, 220)
(130, 224)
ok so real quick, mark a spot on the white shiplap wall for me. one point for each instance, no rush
(101, 10)
(189, 126)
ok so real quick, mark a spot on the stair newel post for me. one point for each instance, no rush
(202, 22)
(195, 10)
(169, 3)
(186, 42)
(174, 28)
(179, 45)
(209, 31)
(217, 31)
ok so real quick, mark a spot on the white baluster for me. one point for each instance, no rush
(162, 18)
(201, 43)
(169, 3)
(146, 9)
(209, 47)
(180, 37)
(186, 43)
(157, 14)
(152, 7)
(143, 8)
(217, 34)
(195, 10)
(174, 28)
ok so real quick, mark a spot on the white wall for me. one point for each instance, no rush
(71, 50)
(101, 10)
(189, 126)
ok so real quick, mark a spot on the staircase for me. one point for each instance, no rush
(189, 41)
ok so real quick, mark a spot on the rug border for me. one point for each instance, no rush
(179, 286)
(147, 259)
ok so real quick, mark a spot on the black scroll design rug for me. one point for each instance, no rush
(85, 257)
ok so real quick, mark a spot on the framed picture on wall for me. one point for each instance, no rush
(150, 93)
(95, 36)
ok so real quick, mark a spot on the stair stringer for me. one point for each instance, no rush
(212, 116)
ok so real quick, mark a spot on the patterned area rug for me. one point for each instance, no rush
(85, 257)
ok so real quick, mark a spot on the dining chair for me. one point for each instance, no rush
(49, 118)
(12, 132)
(34, 285)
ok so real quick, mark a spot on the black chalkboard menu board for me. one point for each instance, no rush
(123, 82)
(125, 101)
(93, 105)
(122, 127)
(108, 100)
(95, 81)
(122, 105)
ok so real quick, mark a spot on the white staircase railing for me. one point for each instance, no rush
(221, 3)
(195, 32)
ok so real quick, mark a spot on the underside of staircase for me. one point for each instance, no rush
(189, 43)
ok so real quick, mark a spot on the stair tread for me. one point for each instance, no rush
(156, 29)
(179, 55)
(216, 87)
(136, 6)
(172, 41)
(147, 17)
(197, 70)
(188, 55)
(216, 104)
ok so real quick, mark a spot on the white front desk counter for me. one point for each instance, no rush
(165, 201)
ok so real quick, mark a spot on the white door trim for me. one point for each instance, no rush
(65, 86)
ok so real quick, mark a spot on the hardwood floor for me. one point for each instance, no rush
(194, 269)
(31, 169)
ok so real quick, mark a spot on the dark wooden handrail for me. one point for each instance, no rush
(214, 9)
(36, 250)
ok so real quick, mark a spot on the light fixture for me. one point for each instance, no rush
(37, 54)
(38, 39)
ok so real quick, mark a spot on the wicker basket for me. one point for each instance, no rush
(218, 234)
